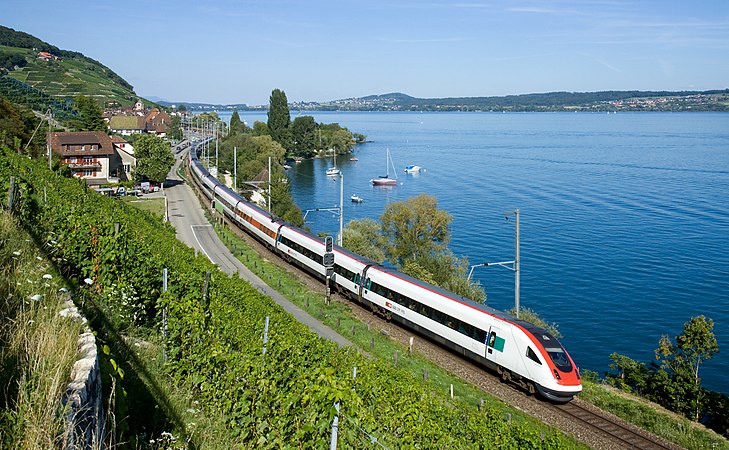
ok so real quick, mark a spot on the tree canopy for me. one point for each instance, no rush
(303, 134)
(673, 379)
(279, 119)
(154, 158)
(413, 235)
(90, 116)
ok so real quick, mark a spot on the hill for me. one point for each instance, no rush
(715, 100)
(62, 75)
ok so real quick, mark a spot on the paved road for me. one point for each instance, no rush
(187, 216)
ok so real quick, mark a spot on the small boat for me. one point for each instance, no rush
(412, 169)
(286, 167)
(333, 171)
(356, 198)
(354, 158)
(385, 180)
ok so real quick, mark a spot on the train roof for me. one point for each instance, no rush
(538, 332)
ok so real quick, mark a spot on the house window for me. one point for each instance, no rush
(73, 160)
(88, 173)
(88, 159)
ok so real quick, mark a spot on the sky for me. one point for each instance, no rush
(228, 51)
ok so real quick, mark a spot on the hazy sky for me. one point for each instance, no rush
(238, 51)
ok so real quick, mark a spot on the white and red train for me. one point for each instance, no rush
(517, 350)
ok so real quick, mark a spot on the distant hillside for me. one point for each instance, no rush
(716, 100)
(65, 75)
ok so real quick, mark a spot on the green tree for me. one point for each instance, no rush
(303, 134)
(279, 119)
(364, 237)
(415, 228)
(237, 125)
(413, 235)
(90, 116)
(175, 128)
(154, 158)
(260, 129)
(681, 360)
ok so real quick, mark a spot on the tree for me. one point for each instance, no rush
(415, 228)
(413, 235)
(175, 128)
(364, 237)
(236, 125)
(303, 134)
(154, 158)
(681, 360)
(279, 119)
(260, 129)
(90, 116)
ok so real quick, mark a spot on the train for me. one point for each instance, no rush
(518, 351)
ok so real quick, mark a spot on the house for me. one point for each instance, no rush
(45, 56)
(89, 154)
(128, 162)
(127, 125)
(157, 122)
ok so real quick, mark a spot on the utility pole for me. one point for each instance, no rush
(341, 208)
(516, 260)
(235, 169)
(269, 185)
(50, 149)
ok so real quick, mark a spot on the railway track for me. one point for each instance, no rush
(623, 434)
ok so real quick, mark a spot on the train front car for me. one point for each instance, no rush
(557, 378)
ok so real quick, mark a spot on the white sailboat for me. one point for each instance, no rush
(333, 170)
(385, 180)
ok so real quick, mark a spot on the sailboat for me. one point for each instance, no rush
(385, 180)
(334, 170)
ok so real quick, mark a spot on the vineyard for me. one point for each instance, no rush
(280, 394)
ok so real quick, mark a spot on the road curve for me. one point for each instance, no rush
(192, 228)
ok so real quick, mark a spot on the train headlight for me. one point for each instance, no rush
(556, 374)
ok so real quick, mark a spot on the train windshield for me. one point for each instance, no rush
(559, 358)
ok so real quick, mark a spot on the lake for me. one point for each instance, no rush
(624, 223)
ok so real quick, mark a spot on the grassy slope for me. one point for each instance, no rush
(70, 77)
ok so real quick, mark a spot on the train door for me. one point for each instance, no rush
(495, 342)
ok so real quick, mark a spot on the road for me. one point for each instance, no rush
(192, 228)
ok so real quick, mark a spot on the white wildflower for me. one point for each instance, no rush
(88, 281)
(48, 276)
(36, 297)
(39, 258)
(63, 290)
(16, 253)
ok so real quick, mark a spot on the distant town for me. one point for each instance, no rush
(610, 101)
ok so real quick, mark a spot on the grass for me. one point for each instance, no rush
(155, 206)
(652, 417)
(39, 347)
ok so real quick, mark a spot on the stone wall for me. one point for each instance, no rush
(83, 409)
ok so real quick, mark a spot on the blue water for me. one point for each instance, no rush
(624, 217)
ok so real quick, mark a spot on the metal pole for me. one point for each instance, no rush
(516, 265)
(216, 151)
(335, 428)
(269, 184)
(265, 335)
(50, 149)
(341, 208)
(235, 169)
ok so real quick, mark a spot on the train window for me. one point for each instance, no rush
(559, 358)
(533, 356)
(492, 339)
